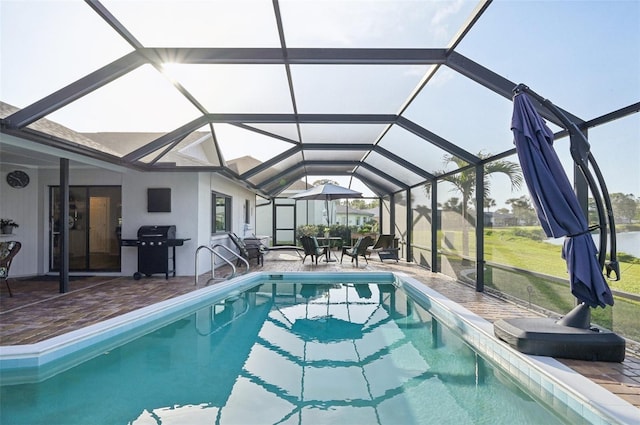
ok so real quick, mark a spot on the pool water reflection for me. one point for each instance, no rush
(285, 353)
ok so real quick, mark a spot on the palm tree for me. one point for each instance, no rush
(489, 203)
(465, 183)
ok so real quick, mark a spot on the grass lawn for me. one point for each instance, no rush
(535, 272)
(504, 246)
(547, 286)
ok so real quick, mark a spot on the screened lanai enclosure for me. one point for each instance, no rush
(408, 102)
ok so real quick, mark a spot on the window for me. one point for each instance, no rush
(221, 213)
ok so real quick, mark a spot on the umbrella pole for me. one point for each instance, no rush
(326, 205)
(579, 317)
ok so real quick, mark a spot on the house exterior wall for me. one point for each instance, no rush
(184, 213)
(239, 195)
(190, 212)
(355, 219)
(21, 205)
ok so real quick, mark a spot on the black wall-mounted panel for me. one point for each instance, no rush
(159, 200)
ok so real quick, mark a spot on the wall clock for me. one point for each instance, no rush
(18, 179)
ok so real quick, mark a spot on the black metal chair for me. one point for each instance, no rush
(385, 247)
(8, 250)
(254, 242)
(313, 248)
(358, 250)
(248, 252)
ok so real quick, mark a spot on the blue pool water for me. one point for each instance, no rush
(285, 352)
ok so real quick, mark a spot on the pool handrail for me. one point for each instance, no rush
(213, 264)
(242, 313)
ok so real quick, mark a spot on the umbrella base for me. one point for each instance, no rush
(546, 337)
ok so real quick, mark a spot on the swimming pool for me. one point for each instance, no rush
(293, 348)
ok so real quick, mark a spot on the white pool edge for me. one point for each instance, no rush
(583, 396)
(562, 381)
(41, 353)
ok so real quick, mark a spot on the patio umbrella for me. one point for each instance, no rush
(327, 192)
(560, 214)
(556, 204)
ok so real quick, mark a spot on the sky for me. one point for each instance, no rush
(582, 55)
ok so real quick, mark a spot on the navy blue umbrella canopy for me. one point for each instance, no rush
(327, 192)
(556, 204)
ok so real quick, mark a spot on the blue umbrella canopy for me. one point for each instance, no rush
(327, 192)
(556, 204)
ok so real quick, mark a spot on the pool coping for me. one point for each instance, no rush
(590, 399)
(550, 379)
(41, 353)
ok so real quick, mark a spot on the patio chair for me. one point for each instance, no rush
(359, 249)
(247, 251)
(385, 248)
(313, 248)
(254, 240)
(8, 250)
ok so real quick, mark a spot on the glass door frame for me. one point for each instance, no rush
(278, 227)
(80, 239)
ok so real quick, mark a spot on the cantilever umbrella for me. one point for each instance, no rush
(556, 204)
(327, 192)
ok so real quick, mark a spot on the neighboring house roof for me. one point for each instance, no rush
(243, 164)
(196, 148)
(373, 211)
(298, 185)
(56, 130)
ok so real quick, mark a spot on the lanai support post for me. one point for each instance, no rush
(480, 228)
(435, 226)
(409, 224)
(64, 225)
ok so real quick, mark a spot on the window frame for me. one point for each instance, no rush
(215, 197)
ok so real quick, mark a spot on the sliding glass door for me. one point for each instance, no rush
(94, 228)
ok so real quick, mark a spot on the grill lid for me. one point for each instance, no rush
(157, 232)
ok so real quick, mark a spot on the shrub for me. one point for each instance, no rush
(307, 230)
(534, 234)
(342, 231)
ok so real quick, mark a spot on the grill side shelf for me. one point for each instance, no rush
(129, 242)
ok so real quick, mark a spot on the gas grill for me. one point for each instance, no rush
(156, 249)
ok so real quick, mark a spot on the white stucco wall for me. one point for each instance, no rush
(190, 211)
(184, 213)
(21, 205)
(239, 194)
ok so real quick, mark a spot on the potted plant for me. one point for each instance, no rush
(7, 225)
